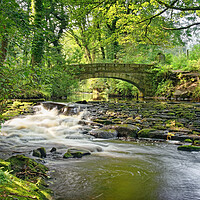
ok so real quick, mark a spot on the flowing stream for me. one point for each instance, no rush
(115, 170)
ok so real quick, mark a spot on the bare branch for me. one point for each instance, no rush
(181, 28)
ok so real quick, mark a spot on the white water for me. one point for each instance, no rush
(47, 127)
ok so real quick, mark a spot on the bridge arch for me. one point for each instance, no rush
(135, 84)
(139, 75)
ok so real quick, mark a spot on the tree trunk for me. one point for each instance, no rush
(88, 54)
(4, 45)
(101, 47)
(38, 39)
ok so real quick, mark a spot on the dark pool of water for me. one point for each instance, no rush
(129, 172)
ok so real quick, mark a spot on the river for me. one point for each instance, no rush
(115, 170)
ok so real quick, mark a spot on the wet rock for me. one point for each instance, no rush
(116, 121)
(53, 150)
(153, 133)
(81, 102)
(40, 152)
(103, 121)
(165, 116)
(182, 136)
(36, 153)
(189, 148)
(126, 130)
(103, 133)
(67, 155)
(76, 153)
(129, 120)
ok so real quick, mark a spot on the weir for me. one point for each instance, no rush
(65, 108)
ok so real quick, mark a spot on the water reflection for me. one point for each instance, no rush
(98, 97)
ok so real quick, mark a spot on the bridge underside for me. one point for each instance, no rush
(137, 74)
(121, 76)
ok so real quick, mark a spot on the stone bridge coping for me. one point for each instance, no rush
(114, 65)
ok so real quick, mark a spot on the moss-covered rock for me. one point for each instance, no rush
(17, 108)
(67, 155)
(26, 168)
(103, 121)
(104, 133)
(40, 152)
(145, 132)
(197, 142)
(12, 187)
(36, 153)
(152, 133)
(76, 153)
(24, 181)
(5, 165)
(126, 130)
(189, 148)
(188, 140)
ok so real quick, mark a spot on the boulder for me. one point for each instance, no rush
(40, 152)
(27, 168)
(103, 133)
(189, 148)
(53, 149)
(126, 130)
(153, 133)
(76, 153)
(36, 153)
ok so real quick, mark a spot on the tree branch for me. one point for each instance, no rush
(160, 13)
(146, 30)
(181, 28)
(178, 8)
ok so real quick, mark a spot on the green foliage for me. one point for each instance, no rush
(121, 88)
(112, 87)
(165, 88)
(17, 108)
(39, 41)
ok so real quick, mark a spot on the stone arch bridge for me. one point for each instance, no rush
(140, 75)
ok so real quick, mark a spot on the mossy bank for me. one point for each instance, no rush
(23, 178)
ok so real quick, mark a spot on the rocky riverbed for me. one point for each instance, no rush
(160, 120)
